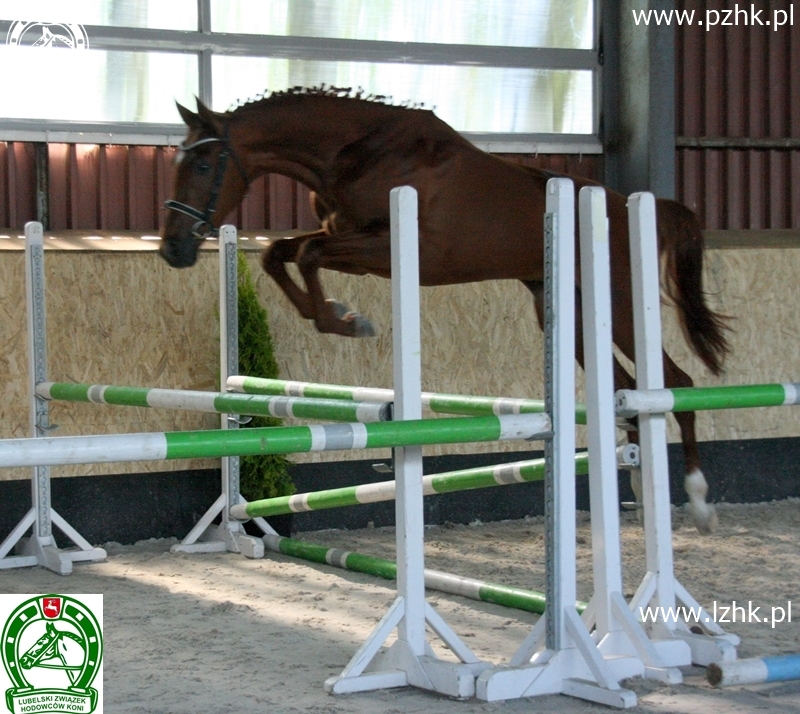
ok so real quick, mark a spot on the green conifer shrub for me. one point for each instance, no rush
(260, 476)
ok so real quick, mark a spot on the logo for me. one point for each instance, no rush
(52, 650)
(24, 33)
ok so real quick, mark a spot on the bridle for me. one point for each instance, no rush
(204, 217)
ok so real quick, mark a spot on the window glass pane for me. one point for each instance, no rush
(162, 14)
(507, 23)
(480, 99)
(95, 85)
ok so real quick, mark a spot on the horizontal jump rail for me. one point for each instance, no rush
(218, 402)
(630, 402)
(758, 670)
(462, 480)
(63, 450)
(439, 403)
(517, 598)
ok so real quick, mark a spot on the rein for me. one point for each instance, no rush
(204, 217)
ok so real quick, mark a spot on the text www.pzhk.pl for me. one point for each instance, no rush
(734, 17)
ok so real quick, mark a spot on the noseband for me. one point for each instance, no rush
(204, 217)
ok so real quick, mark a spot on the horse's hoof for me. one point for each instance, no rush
(704, 517)
(362, 327)
(703, 514)
(359, 326)
(339, 310)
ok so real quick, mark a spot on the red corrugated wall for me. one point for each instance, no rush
(95, 187)
(739, 82)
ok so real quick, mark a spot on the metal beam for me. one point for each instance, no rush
(136, 39)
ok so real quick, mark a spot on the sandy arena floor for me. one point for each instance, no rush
(219, 633)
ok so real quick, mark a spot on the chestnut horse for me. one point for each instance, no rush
(480, 218)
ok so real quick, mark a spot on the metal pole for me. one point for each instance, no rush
(229, 351)
(604, 495)
(462, 480)
(407, 369)
(37, 371)
(560, 399)
(210, 444)
(217, 402)
(650, 375)
(439, 403)
(518, 598)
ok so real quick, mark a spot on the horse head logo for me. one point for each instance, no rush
(24, 33)
(56, 649)
(52, 649)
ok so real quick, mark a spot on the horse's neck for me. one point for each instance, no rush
(299, 144)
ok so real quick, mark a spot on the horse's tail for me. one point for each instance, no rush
(681, 243)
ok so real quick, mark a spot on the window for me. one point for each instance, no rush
(504, 72)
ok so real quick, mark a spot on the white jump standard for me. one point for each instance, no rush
(660, 588)
(40, 548)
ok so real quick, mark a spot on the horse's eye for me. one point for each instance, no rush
(203, 167)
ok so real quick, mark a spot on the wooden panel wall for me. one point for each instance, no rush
(106, 187)
(739, 82)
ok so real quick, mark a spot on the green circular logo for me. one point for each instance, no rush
(52, 647)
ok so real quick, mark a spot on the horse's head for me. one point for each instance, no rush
(210, 181)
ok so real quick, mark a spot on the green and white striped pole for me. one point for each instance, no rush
(462, 480)
(218, 402)
(630, 402)
(439, 403)
(517, 598)
(61, 450)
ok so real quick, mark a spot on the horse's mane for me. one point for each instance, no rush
(298, 93)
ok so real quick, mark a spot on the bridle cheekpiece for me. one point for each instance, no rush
(204, 217)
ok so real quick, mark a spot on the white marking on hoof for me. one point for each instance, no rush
(339, 310)
(703, 514)
(362, 327)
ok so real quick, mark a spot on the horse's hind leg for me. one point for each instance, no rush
(703, 514)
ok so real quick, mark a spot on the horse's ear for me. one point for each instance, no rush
(189, 117)
(209, 118)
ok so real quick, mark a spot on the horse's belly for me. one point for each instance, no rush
(466, 261)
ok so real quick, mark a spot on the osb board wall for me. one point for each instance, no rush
(759, 290)
(129, 319)
(112, 318)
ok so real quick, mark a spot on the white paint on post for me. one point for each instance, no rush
(68, 450)
(407, 368)
(650, 375)
(523, 426)
(372, 394)
(601, 431)
(630, 402)
(562, 569)
(174, 399)
(37, 372)
(229, 352)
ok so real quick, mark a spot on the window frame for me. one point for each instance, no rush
(205, 43)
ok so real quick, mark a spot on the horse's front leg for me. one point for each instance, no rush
(356, 254)
(274, 262)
